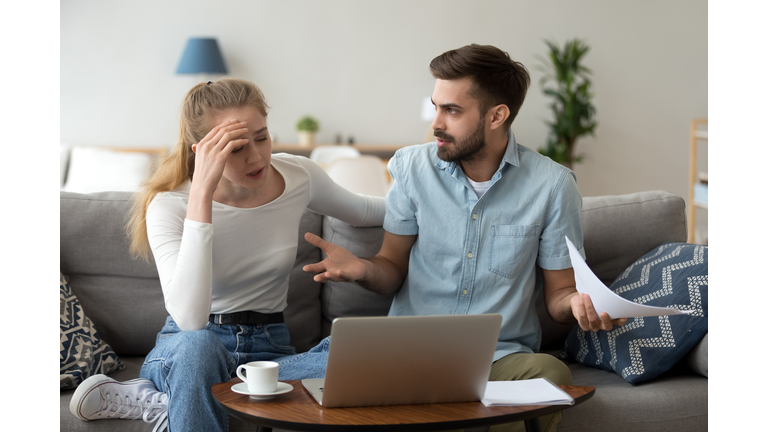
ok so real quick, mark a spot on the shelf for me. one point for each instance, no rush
(697, 189)
(384, 151)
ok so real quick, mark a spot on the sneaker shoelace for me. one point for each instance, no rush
(151, 409)
(157, 412)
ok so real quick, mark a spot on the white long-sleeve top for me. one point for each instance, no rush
(241, 261)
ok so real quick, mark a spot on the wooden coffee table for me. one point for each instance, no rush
(297, 410)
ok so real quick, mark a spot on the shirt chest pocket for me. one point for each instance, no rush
(512, 246)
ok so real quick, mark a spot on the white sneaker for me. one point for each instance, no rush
(100, 397)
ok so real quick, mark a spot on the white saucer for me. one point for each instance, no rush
(242, 388)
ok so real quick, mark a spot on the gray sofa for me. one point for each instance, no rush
(122, 297)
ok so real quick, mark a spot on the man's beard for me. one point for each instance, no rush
(467, 149)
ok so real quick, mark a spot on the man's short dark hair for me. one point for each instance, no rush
(496, 78)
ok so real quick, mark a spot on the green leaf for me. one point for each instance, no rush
(566, 81)
(308, 124)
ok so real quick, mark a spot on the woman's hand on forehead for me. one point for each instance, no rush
(212, 151)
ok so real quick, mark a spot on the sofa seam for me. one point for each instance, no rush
(631, 203)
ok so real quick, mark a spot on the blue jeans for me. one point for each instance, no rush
(185, 364)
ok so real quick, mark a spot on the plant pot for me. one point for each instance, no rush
(306, 139)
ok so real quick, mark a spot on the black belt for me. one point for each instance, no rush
(246, 318)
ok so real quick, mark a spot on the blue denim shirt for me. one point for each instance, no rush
(475, 256)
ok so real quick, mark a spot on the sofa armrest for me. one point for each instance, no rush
(698, 359)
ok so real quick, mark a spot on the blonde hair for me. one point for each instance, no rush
(200, 105)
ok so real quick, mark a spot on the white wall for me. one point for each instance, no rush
(361, 67)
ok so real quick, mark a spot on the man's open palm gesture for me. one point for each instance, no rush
(339, 264)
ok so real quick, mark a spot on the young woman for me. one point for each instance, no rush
(220, 217)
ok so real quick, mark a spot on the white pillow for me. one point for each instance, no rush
(97, 169)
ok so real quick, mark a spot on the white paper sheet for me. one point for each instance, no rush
(606, 300)
(538, 391)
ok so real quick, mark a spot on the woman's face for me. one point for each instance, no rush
(248, 166)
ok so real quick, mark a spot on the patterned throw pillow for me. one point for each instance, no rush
(673, 274)
(82, 353)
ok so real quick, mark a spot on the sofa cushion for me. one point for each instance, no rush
(82, 353)
(341, 299)
(93, 239)
(674, 274)
(302, 314)
(619, 229)
(674, 401)
(122, 295)
(98, 169)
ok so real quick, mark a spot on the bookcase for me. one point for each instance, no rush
(698, 180)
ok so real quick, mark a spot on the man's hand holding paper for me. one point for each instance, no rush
(594, 297)
(584, 311)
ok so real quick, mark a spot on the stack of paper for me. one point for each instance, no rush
(539, 391)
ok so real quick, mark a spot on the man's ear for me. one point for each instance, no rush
(498, 115)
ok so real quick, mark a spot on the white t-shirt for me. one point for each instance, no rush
(242, 260)
(479, 187)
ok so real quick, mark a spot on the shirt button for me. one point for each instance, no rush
(469, 255)
(465, 292)
(474, 216)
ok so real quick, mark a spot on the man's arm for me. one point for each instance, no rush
(566, 306)
(382, 274)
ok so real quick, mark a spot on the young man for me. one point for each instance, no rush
(470, 217)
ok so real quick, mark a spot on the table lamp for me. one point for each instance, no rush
(202, 56)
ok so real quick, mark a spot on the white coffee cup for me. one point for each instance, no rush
(260, 376)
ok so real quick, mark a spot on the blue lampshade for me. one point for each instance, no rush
(201, 55)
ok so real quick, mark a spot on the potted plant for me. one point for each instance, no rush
(307, 126)
(571, 100)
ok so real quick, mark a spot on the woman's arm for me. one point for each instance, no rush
(330, 199)
(182, 249)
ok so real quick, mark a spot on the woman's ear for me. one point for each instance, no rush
(194, 148)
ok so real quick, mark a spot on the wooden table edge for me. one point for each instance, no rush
(583, 393)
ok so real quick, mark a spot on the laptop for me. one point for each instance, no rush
(377, 361)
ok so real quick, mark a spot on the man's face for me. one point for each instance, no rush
(458, 124)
